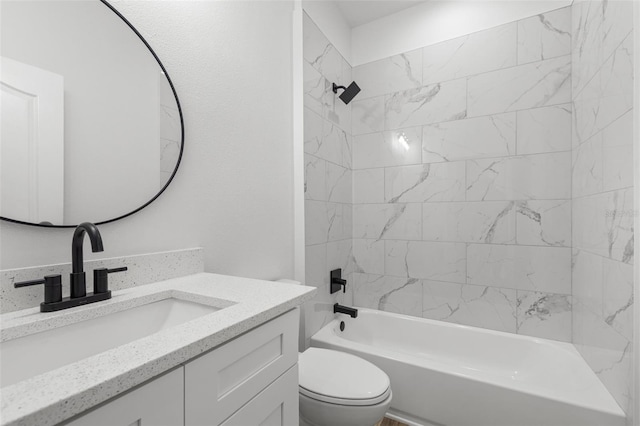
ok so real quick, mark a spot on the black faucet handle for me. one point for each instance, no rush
(101, 280)
(336, 281)
(52, 287)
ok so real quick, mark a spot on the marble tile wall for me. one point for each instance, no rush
(328, 175)
(462, 170)
(602, 176)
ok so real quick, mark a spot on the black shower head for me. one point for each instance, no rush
(349, 92)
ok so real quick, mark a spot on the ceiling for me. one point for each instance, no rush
(359, 12)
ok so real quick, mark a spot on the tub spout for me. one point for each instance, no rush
(339, 309)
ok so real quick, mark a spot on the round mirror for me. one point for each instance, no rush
(91, 126)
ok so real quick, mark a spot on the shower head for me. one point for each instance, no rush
(349, 92)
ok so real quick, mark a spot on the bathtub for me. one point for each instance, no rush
(448, 374)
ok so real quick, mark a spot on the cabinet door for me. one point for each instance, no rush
(221, 381)
(157, 403)
(277, 405)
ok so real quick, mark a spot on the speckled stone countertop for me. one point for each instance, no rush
(60, 394)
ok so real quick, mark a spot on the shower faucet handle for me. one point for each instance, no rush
(337, 281)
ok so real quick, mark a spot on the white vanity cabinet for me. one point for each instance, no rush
(249, 380)
(222, 381)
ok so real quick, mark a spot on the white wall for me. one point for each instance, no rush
(231, 64)
(436, 21)
(332, 23)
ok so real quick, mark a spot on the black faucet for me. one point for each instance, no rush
(78, 277)
(339, 309)
(53, 300)
(337, 282)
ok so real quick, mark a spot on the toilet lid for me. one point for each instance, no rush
(341, 378)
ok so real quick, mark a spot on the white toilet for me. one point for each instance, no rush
(340, 389)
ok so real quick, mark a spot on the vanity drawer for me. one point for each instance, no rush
(221, 381)
(277, 405)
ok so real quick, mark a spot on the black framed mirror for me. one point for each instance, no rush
(92, 128)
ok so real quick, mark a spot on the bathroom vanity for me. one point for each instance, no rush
(202, 349)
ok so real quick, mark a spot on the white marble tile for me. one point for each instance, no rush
(544, 36)
(481, 137)
(476, 53)
(425, 259)
(589, 224)
(617, 299)
(368, 256)
(540, 176)
(478, 306)
(338, 184)
(585, 40)
(347, 220)
(339, 255)
(384, 149)
(316, 222)
(319, 52)
(391, 294)
(336, 111)
(617, 158)
(544, 223)
(607, 96)
(313, 125)
(314, 89)
(336, 222)
(586, 167)
(598, 29)
(546, 129)
(392, 74)
(367, 115)
(620, 215)
(387, 221)
(315, 178)
(368, 186)
(425, 182)
(607, 352)
(425, 105)
(544, 315)
(525, 86)
(603, 224)
(586, 280)
(315, 261)
(334, 143)
(472, 222)
(545, 269)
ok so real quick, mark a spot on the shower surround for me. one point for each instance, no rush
(490, 180)
(603, 211)
(327, 182)
(462, 180)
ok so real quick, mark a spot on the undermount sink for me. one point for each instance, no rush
(38, 353)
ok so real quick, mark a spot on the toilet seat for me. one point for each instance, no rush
(340, 378)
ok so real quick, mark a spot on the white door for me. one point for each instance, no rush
(31, 143)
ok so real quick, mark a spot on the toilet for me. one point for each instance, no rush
(340, 389)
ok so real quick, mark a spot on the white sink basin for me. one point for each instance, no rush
(38, 353)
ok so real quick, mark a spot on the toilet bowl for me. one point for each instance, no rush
(340, 389)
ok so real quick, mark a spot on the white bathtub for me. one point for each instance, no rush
(448, 374)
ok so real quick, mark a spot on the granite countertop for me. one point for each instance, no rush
(60, 394)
